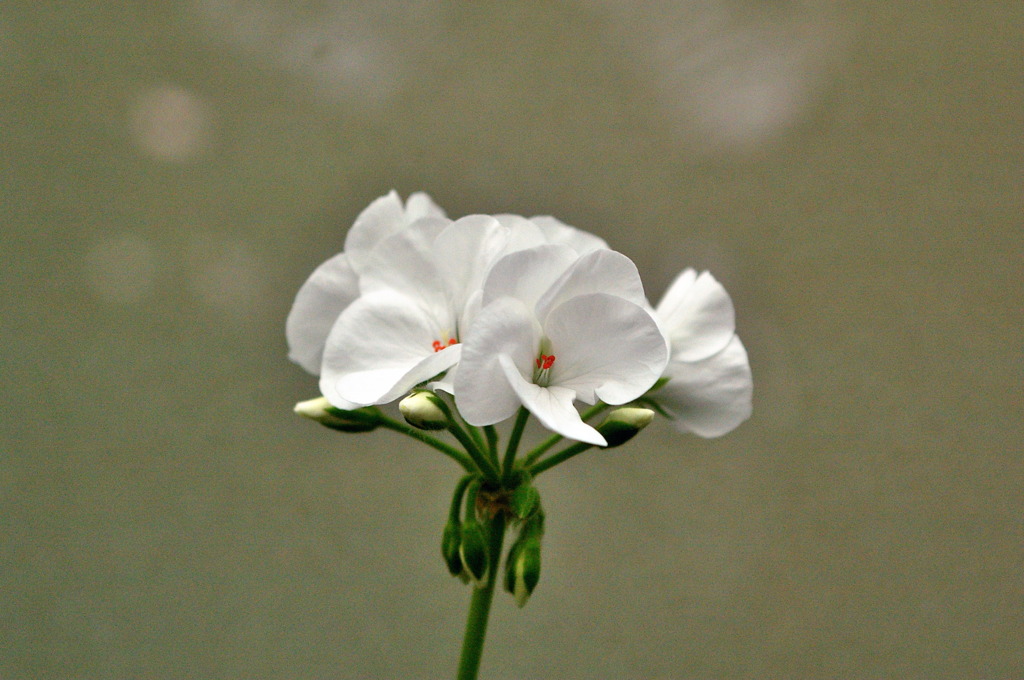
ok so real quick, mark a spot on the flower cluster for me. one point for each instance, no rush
(505, 313)
(477, 320)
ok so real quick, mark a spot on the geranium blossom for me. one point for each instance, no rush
(334, 285)
(419, 290)
(710, 384)
(556, 327)
(506, 311)
(420, 287)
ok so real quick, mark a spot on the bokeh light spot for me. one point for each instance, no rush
(170, 123)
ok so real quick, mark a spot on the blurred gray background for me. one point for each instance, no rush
(852, 172)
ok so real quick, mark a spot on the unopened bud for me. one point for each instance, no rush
(622, 424)
(522, 572)
(524, 500)
(320, 410)
(450, 542)
(473, 550)
(423, 410)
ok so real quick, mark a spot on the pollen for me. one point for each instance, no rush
(438, 345)
(545, 361)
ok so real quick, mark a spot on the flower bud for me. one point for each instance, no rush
(510, 564)
(422, 409)
(522, 571)
(450, 542)
(622, 424)
(320, 410)
(524, 500)
(473, 550)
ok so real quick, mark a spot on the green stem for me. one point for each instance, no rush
(475, 433)
(560, 457)
(448, 450)
(492, 440)
(470, 442)
(513, 444)
(486, 466)
(460, 489)
(471, 492)
(593, 411)
(480, 606)
(541, 448)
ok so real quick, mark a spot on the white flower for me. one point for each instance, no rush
(710, 385)
(543, 229)
(420, 287)
(334, 285)
(556, 327)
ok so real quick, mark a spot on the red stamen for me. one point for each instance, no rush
(438, 345)
(545, 361)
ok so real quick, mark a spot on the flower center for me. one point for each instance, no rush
(543, 365)
(439, 345)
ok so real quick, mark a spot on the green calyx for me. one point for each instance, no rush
(473, 551)
(359, 420)
(522, 566)
(524, 500)
(451, 542)
(424, 410)
(623, 424)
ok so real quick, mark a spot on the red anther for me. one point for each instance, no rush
(545, 361)
(438, 345)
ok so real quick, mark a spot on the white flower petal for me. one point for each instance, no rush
(527, 274)
(383, 217)
(601, 271)
(464, 253)
(522, 232)
(320, 301)
(710, 397)
(697, 314)
(404, 263)
(605, 348)
(378, 345)
(504, 327)
(445, 383)
(556, 231)
(420, 205)
(552, 405)
(430, 366)
(469, 311)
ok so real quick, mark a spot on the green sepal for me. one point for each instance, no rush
(524, 500)
(623, 424)
(652, 404)
(424, 410)
(358, 420)
(451, 539)
(509, 581)
(525, 570)
(533, 527)
(473, 550)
